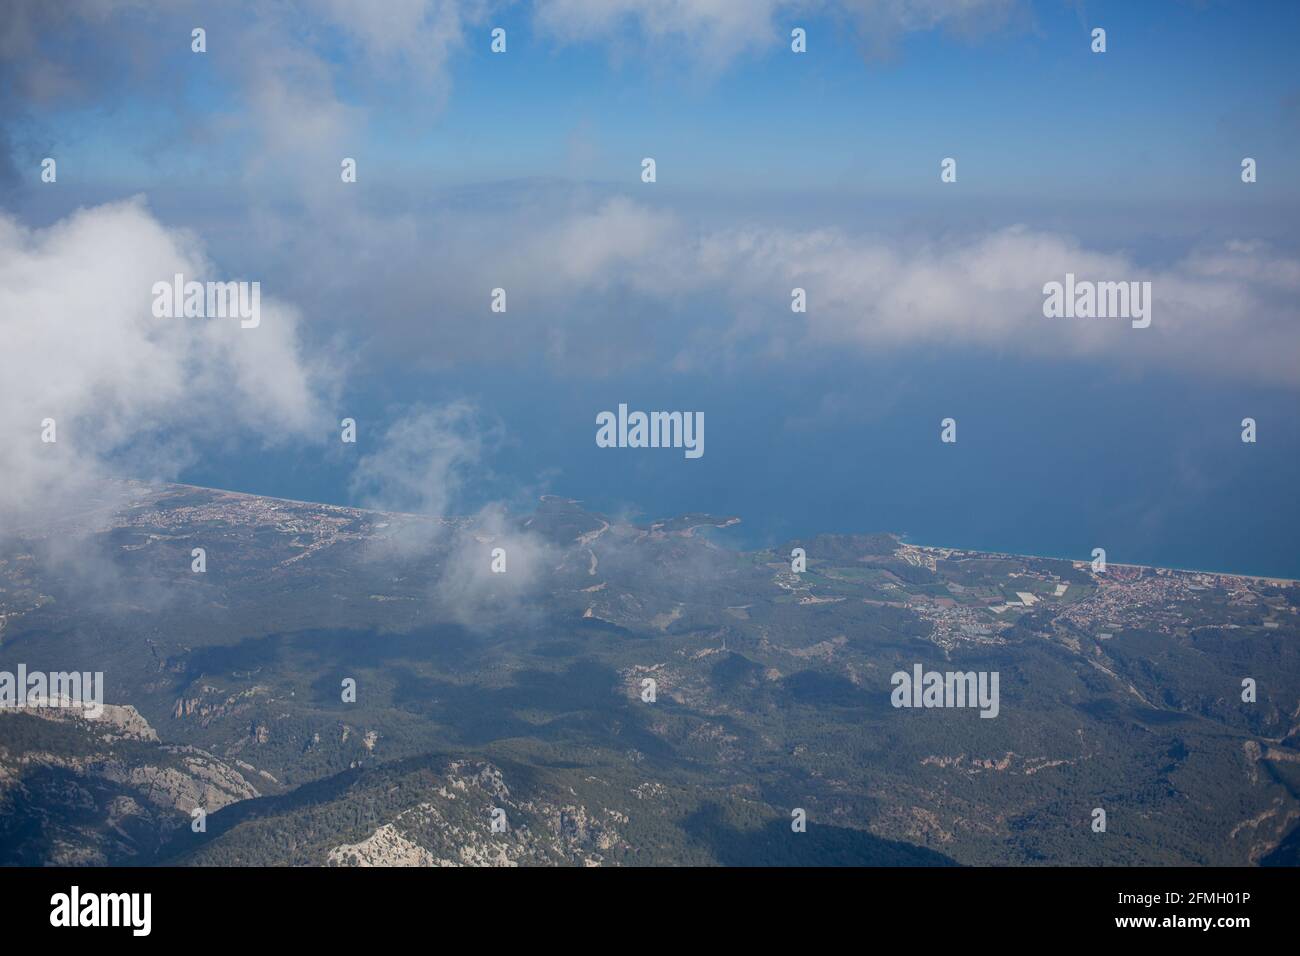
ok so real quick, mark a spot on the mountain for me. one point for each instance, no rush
(347, 687)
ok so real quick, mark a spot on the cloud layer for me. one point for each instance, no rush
(596, 285)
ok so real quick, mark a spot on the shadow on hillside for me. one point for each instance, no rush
(775, 844)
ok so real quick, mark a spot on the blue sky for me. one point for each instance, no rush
(1183, 91)
(820, 170)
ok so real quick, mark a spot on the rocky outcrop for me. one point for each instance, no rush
(385, 847)
(109, 793)
(202, 780)
(453, 827)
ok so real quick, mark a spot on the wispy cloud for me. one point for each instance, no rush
(716, 32)
(422, 461)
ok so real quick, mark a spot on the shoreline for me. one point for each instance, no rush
(1113, 564)
(903, 537)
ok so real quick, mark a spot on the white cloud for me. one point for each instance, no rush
(422, 466)
(1227, 310)
(297, 73)
(599, 285)
(81, 346)
(471, 593)
(424, 33)
(718, 29)
(715, 32)
(422, 461)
